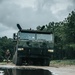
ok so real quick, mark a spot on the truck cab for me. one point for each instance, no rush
(33, 47)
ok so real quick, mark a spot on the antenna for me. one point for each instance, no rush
(19, 27)
(42, 27)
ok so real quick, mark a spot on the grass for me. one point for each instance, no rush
(62, 62)
(4, 62)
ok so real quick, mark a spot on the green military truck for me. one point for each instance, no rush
(33, 47)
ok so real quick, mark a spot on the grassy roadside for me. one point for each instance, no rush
(62, 62)
(4, 62)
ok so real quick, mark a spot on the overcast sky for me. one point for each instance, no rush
(31, 13)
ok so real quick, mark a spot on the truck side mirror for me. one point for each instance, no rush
(14, 37)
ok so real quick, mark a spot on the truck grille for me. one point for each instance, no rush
(33, 51)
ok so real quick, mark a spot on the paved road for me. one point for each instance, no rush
(67, 70)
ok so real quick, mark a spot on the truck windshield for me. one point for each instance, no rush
(47, 37)
(26, 36)
(35, 36)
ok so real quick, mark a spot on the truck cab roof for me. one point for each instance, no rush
(35, 31)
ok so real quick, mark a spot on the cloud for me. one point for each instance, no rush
(27, 15)
(31, 13)
(60, 5)
(25, 3)
(5, 31)
(59, 8)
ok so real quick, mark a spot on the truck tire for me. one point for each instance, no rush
(18, 61)
(46, 62)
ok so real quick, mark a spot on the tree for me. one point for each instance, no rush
(6, 43)
(70, 27)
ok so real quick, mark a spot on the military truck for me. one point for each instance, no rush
(33, 47)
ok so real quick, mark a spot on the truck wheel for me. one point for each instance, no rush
(46, 62)
(18, 61)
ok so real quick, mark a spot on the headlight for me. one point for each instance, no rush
(20, 49)
(50, 50)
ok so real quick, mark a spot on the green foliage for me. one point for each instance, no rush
(5, 43)
(64, 36)
(62, 62)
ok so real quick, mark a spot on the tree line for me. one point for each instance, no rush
(64, 39)
(6, 43)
